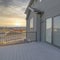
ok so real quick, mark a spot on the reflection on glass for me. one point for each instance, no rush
(48, 29)
(56, 32)
(31, 23)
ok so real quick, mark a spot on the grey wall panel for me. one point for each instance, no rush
(50, 7)
(38, 20)
(43, 31)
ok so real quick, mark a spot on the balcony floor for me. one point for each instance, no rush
(30, 51)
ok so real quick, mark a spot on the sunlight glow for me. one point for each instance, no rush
(40, 0)
(17, 24)
(12, 22)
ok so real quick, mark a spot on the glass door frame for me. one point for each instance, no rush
(51, 31)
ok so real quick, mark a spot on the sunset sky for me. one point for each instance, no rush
(12, 13)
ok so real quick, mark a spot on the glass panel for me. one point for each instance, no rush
(31, 23)
(48, 30)
(56, 32)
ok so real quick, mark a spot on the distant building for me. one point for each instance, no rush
(43, 18)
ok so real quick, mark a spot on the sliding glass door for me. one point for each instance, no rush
(56, 31)
(53, 33)
(49, 30)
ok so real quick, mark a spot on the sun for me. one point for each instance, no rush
(17, 24)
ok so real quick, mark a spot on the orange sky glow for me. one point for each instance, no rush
(12, 22)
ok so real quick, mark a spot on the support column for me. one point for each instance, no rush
(38, 27)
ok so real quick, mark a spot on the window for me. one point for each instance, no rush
(56, 31)
(31, 23)
(49, 30)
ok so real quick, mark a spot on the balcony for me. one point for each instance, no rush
(12, 37)
(30, 51)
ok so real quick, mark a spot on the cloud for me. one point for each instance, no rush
(12, 11)
(13, 7)
(13, 2)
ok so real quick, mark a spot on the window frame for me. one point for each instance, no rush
(31, 20)
(51, 30)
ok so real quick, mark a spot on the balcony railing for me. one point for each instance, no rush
(31, 36)
(12, 38)
(17, 38)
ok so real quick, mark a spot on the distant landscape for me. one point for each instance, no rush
(12, 35)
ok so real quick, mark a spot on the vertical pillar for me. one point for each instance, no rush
(27, 29)
(38, 27)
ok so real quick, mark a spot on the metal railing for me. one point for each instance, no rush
(31, 36)
(14, 37)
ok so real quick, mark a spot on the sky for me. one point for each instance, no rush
(12, 13)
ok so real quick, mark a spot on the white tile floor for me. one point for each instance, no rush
(30, 51)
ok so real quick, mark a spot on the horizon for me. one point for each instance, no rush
(13, 26)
